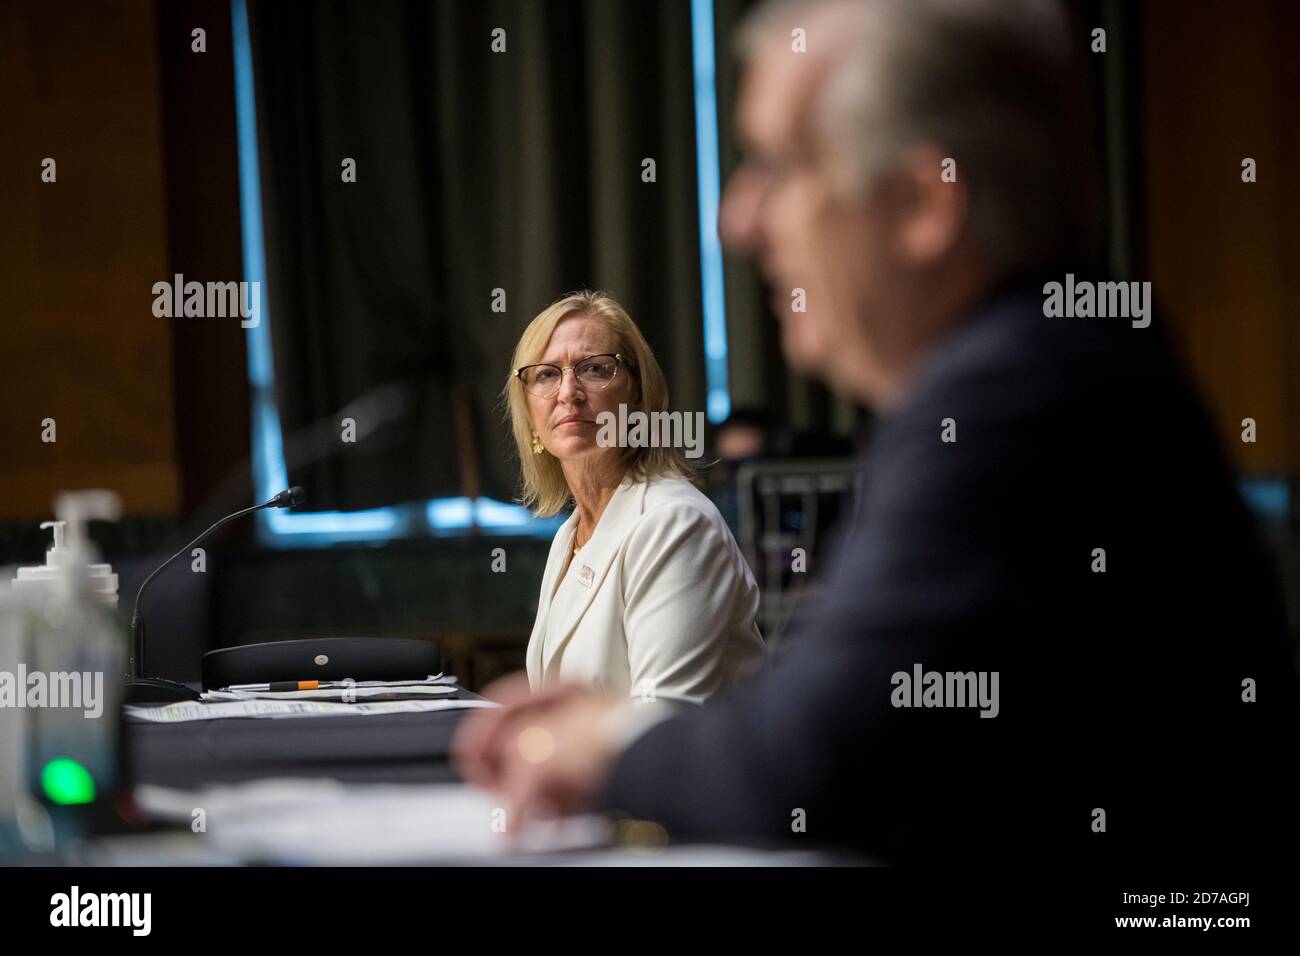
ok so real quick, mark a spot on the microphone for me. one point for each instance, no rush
(289, 498)
(151, 690)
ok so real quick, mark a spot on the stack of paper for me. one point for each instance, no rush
(340, 694)
(324, 822)
(187, 711)
(344, 691)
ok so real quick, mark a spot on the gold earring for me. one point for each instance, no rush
(537, 444)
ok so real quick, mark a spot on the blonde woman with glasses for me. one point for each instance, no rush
(645, 593)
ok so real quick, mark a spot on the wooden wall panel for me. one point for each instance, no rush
(1221, 253)
(80, 83)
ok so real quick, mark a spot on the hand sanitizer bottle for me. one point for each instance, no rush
(62, 657)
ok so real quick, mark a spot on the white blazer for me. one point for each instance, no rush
(659, 604)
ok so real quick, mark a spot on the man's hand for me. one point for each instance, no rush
(548, 752)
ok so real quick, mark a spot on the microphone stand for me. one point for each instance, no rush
(138, 689)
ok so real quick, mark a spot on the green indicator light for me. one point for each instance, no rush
(65, 781)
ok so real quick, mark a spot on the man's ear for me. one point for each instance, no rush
(931, 204)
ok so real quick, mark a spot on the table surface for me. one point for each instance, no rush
(388, 748)
(379, 748)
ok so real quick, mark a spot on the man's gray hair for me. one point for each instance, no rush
(994, 84)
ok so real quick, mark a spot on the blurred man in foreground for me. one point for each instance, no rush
(1049, 628)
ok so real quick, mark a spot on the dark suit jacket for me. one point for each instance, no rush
(1119, 691)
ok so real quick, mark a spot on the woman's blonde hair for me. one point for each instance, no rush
(543, 488)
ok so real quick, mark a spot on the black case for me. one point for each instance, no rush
(325, 658)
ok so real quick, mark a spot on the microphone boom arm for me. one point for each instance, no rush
(137, 618)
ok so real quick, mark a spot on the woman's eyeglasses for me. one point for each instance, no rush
(593, 372)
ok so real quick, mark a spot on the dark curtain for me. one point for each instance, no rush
(520, 171)
(475, 171)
